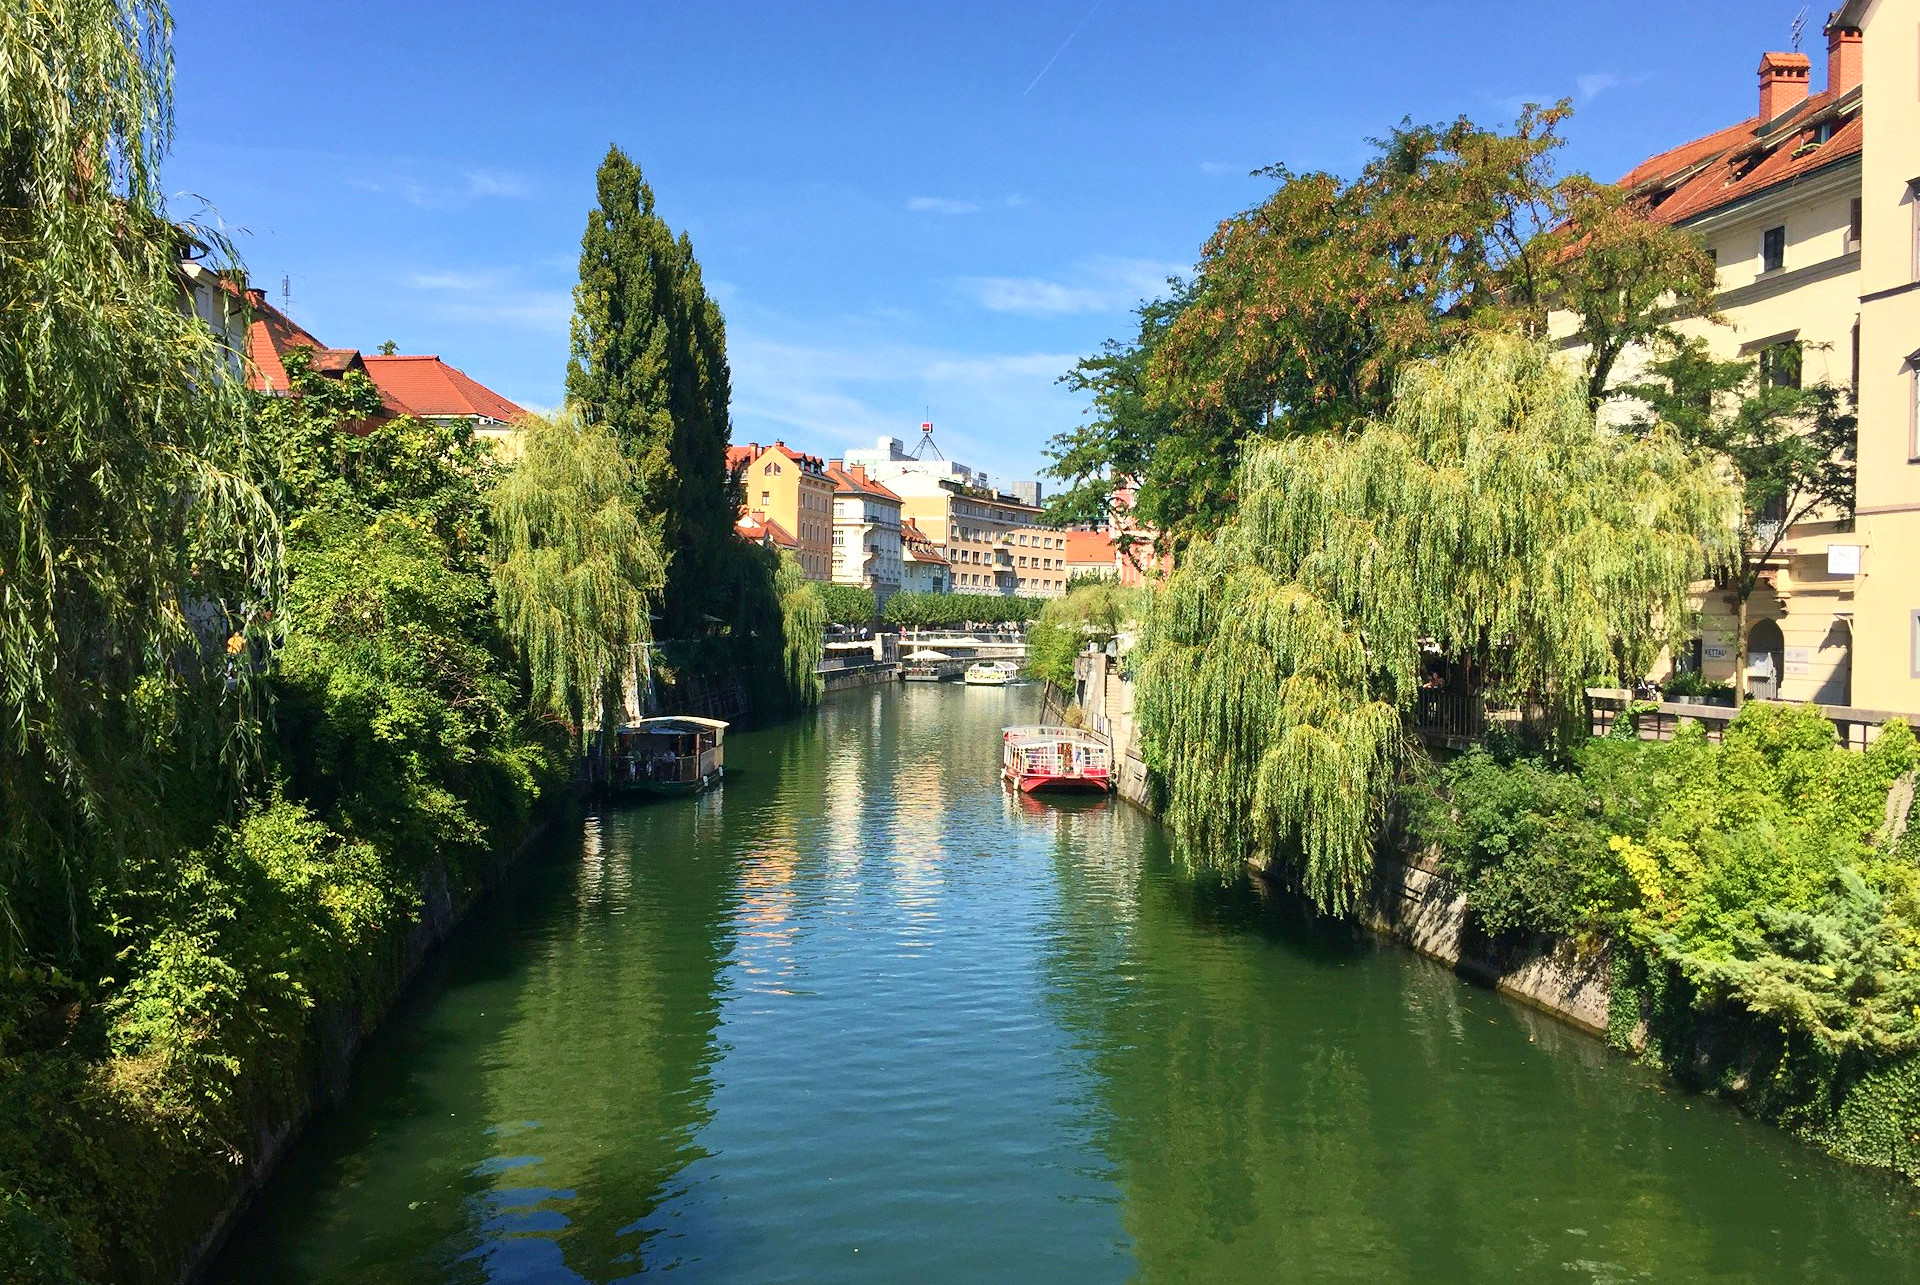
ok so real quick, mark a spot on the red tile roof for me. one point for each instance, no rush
(272, 334)
(918, 547)
(1685, 182)
(1090, 548)
(855, 481)
(434, 389)
(758, 527)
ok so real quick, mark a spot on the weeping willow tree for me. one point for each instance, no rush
(134, 561)
(576, 570)
(803, 628)
(1488, 516)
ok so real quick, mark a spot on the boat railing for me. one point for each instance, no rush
(1077, 757)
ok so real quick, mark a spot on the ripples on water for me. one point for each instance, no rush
(862, 1015)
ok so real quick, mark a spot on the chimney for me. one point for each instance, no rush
(1843, 58)
(1783, 84)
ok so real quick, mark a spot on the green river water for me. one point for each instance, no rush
(860, 1015)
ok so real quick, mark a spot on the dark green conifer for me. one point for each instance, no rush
(649, 360)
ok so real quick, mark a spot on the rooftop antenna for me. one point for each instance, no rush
(286, 292)
(1799, 26)
(926, 443)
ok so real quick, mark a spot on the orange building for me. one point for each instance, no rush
(792, 489)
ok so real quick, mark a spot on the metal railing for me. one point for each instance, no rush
(1451, 718)
(1659, 720)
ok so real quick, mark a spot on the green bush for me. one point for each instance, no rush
(1768, 942)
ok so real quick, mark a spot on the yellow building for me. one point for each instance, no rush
(1887, 589)
(1777, 200)
(793, 489)
(1039, 561)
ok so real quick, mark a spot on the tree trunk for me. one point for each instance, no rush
(1740, 647)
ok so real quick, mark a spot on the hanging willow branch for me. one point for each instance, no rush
(1488, 515)
(137, 565)
(803, 628)
(576, 569)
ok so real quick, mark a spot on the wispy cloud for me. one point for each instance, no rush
(1596, 83)
(942, 205)
(495, 296)
(1224, 169)
(430, 187)
(1103, 284)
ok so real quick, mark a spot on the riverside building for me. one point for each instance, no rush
(792, 489)
(966, 519)
(1779, 201)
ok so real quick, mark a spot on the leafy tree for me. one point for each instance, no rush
(925, 610)
(1129, 433)
(131, 549)
(849, 604)
(649, 360)
(1790, 450)
(1487, 514)
(1626, 277)
(1303, 308)
(576, 572)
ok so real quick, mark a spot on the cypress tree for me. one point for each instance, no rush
(649, 361)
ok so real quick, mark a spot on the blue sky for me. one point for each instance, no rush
(903, 208)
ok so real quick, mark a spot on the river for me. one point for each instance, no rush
(859, 1015)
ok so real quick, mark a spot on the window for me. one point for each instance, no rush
(1853, 224)
(766, 498)
(1773, 249)
(1915, 668)
(1780, 365)
(1913, 407)
(1913, 207)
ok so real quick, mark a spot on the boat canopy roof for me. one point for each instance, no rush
(925, 654)
(1047, 732)
(676, 724)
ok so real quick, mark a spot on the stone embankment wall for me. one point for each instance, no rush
(1413, 902)
(841, 678)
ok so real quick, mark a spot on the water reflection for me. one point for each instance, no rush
(861, 1014)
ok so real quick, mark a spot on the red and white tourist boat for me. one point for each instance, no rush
(1055, 758)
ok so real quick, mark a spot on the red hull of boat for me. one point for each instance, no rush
(1036, 781)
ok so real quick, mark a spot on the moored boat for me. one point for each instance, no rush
(678, 754)
(1055, 758)
(987, 674)
(927, 666)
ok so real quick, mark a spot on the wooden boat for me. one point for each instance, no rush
(987, 674)
(678, 754)
(1055, 758)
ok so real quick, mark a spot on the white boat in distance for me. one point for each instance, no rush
(991, 673)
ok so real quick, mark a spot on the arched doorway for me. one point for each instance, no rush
(1766, 657)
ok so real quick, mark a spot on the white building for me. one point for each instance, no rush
(866, 531)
